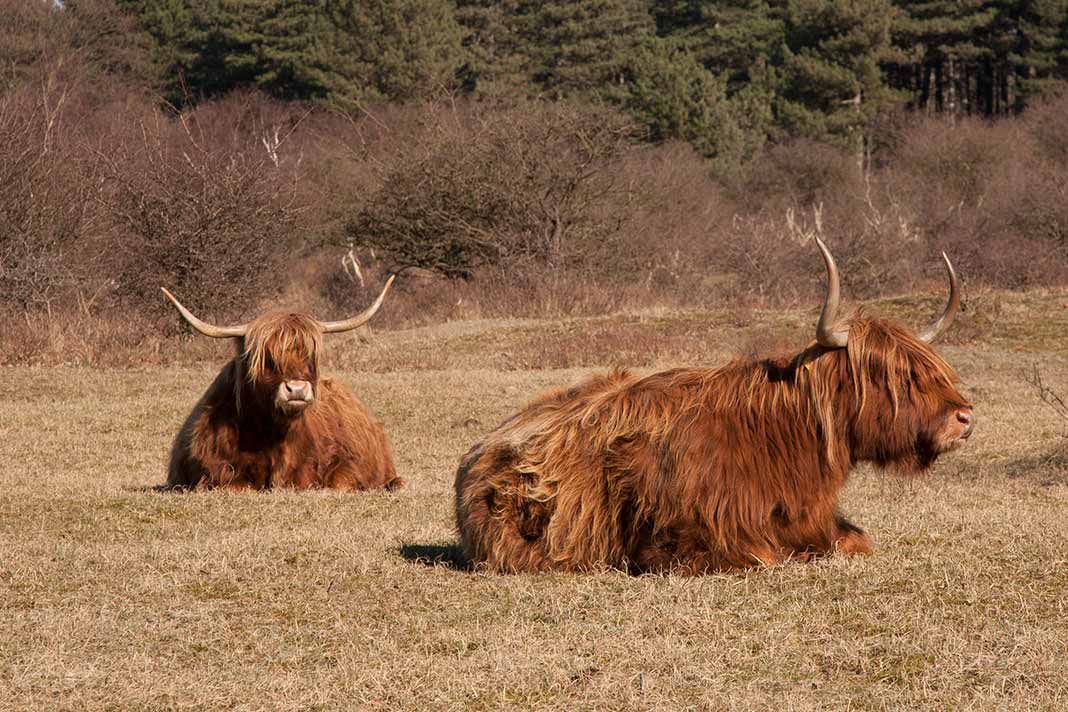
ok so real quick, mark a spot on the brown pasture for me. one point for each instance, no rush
(113, 595)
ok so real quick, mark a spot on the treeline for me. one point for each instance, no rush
(262, 154)
(725, 75)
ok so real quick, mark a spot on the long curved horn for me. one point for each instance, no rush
(952, 306)
(333, 327)
(825, 331)
(215, 332)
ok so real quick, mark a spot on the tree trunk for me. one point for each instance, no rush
(950, 89)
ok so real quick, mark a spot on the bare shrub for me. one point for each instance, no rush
(678, 229)
(1045, 122)
(204, 203)
(41, 40)
(875, 240)
(500, 187)
(989, 195)
(955, 159)
(804, 189)
(23, 39)
(45, 205)
(797, 174)
(1046, 393)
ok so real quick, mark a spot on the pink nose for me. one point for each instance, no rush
(964, 417)
(298, 390)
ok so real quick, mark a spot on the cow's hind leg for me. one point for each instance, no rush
(691, 554)
(351, 476)
(502, 527)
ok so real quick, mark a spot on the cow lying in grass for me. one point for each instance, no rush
(697, 470)
(268, 420)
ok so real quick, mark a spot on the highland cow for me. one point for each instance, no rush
(700, 470)
(268, 420)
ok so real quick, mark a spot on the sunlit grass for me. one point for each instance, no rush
(113, 595)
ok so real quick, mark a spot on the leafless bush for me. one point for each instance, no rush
(1045, 392)
(202, 203)
(502, 187)
(1045, 122)
(95, 38)
(804, 189)
(797, 174)
(876, 242)
(990, 195)
(45, 205)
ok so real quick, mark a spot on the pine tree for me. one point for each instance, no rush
(675, 97)
(197, 45)
(731, 36)
(1062, 52)
(1023, 44)
(170, 23)
(495, 59)
(396, 49)
(740, 35)
(942, 62)
(289, 47)
(339, 51)
(583, 48)
(675, 18)
(738, 42)
(832, 85)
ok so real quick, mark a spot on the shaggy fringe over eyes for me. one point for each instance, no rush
(881, 355)
(902, 358)
(280, 339)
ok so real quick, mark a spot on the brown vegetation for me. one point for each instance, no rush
(512, 188)
(525, 209)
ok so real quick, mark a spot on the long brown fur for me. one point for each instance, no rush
(235, 437)
(697, 470)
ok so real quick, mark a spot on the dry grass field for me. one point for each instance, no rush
(115, 596)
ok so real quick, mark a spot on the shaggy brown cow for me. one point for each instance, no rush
(268, 420)
(697, 470)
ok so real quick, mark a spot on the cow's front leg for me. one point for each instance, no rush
(807, 538)
(851, 539)
(223, 475)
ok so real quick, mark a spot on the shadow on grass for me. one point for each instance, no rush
(155, 489)
(1045, 468)
(449, 556)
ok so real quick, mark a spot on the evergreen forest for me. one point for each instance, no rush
(724, 75)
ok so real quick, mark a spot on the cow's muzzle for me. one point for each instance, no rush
(294, 396)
